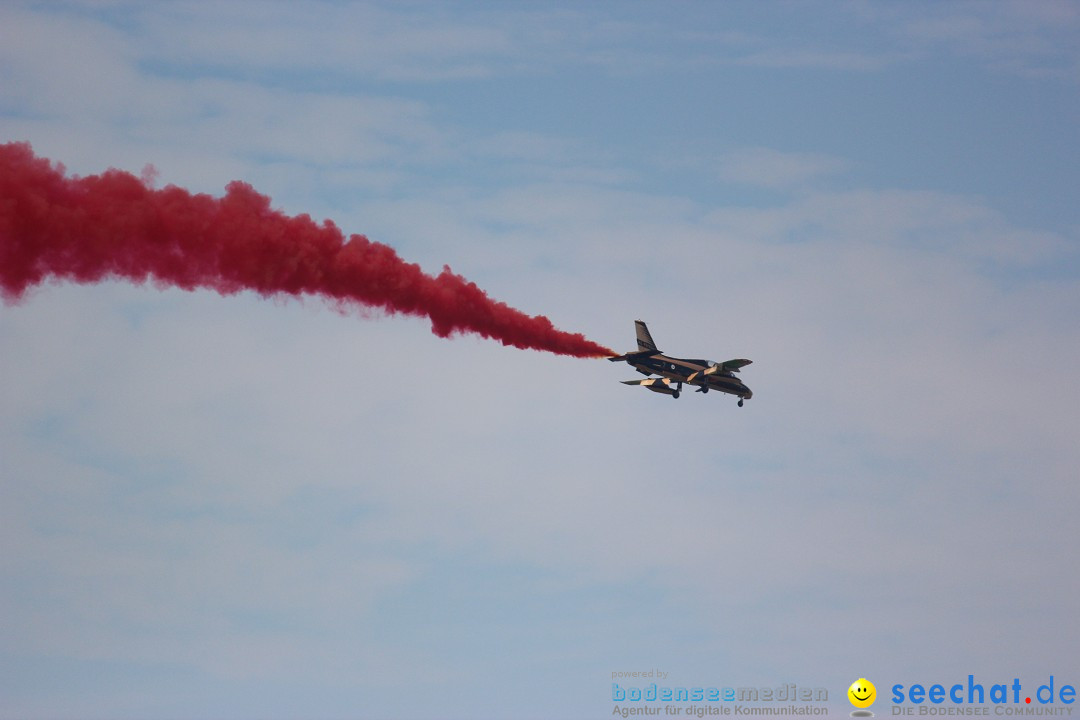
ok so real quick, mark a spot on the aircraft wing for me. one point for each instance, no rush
(730, 366)
(660, 385)
(734, 365)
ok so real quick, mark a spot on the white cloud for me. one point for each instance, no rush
(771, 168)
(1026, 38)
(361, 41)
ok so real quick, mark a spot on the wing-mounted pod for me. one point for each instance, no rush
(664, 386)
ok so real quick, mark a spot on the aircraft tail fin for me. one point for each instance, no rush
(644, 339)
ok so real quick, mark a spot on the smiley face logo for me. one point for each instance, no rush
(862, 693)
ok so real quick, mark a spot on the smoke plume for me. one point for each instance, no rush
(116, 225)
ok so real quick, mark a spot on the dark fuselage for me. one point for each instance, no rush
(701, 373)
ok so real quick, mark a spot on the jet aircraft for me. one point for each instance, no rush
(674, 372)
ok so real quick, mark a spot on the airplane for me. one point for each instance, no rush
(704, 374)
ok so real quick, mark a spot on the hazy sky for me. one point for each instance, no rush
(240, 507)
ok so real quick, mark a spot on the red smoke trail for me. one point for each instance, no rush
(114, 225)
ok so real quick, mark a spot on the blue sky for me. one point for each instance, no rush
(242, 507)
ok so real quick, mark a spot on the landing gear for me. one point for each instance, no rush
(678, 389)
(740, 402)
(675, 394)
